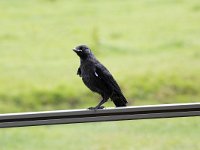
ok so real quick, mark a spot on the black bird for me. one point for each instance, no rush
(98, 79)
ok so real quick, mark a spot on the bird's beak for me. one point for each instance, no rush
(76, 50)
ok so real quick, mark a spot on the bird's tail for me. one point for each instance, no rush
(119, 100)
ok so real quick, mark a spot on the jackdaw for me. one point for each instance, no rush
(97, 78)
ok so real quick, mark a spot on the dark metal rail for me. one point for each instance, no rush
(109, 114)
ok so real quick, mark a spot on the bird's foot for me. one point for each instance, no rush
(95, 108)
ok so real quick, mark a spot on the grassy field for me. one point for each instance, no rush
(165, 134)
(152, 47)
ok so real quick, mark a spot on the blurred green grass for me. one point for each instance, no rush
(165, 134)
(152, 48)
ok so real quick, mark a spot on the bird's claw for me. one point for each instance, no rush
(95, 108)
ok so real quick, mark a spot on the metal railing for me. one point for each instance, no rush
(108, 114)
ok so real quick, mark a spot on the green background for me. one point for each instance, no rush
(152, 48)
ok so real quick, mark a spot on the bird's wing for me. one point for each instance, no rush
(79, 71)
(105, 76)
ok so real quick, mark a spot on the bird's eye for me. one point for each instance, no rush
(81, 48)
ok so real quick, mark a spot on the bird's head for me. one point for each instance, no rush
(82, 51)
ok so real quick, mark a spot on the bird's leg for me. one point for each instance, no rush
(99, 105)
